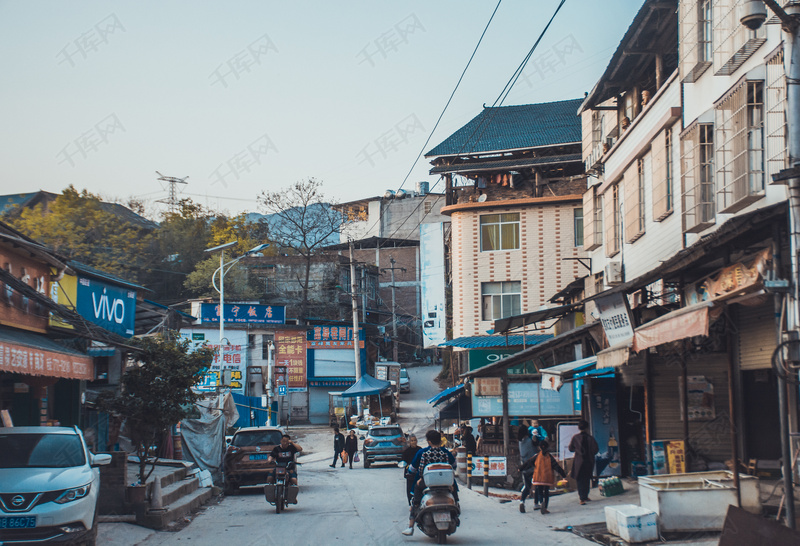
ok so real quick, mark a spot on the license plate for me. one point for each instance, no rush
(18, 522)
(440, 517)
(385, 444)
(259, 457)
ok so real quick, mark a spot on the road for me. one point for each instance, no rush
(353, 507)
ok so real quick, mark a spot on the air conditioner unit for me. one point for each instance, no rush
(613, 273)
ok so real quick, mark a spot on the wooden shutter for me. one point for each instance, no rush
(632, 211)
(661, 204)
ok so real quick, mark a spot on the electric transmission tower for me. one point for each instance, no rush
(172, 199)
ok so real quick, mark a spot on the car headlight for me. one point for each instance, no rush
(74, 494)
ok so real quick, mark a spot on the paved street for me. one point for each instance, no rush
(353, 507)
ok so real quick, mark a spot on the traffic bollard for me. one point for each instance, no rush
(469, 471)
(485, 476)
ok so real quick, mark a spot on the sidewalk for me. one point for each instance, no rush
(587, 521)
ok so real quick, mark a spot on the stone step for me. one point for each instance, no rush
(182, 507)
(176, 490)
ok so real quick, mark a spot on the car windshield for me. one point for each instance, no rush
(41, 451)
(386, 431)
(404, 373)
(257, 438)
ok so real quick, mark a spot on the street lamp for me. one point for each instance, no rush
(221, 289)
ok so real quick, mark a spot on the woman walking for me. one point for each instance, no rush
(543, 477)
(351, 446)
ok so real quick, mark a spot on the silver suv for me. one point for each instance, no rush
(384, 443)
(49, 483)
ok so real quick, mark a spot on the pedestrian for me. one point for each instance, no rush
(526, 454)
(468, 440)
(351, 446)
(584, 446)
(543, 479)
(338, 447)
(538, 433)
(408, 456)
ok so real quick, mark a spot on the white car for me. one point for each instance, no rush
(405, 382)
(49, 484)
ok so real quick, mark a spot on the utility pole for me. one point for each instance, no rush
(354, 299)
(394, 307)
(172, 200)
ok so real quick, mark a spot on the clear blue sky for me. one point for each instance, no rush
(245, 96)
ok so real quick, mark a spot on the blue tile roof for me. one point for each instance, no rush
(515, 127)
(476, 342)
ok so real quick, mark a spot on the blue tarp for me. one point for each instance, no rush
(445, 394)
(366, 386)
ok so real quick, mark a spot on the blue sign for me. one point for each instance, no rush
(281, 390)
(244, 313)
(106, 305)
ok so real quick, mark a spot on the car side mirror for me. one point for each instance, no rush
(362, 437)
(100, 459)
(228, 440)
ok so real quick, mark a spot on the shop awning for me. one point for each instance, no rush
(33, 354)
(518, 321)
(459, 409)
(613, 357)
(555, 376)
(447, 393)
(682, 323)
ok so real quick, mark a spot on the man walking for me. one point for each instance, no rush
(584, 446)
(338, 447)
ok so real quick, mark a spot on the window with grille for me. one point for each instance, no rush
(663, 173)
(697, 159)
(501, 299)
(611, 220)
(428, 207)
(577, 216)
(500, 231)
(740, 151)
(775, 118)
(733, 42)
(592, 220)
(635, 180)
(695, 41)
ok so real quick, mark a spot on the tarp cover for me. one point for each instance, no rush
(366, 386)
(204, 438)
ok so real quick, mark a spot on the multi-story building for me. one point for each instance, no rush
(514, 181)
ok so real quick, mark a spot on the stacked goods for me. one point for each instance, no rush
(611, 486)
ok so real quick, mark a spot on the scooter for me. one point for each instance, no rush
(438, 515)
(282, 492)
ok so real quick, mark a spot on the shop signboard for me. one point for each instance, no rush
(478, 358)
(244, 313)
(290, 352)
(106, 305)
(333, 337)
(234, 357)
(615, 319)
(525, 400)
(497, 466)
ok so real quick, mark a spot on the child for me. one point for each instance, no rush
(543, 479)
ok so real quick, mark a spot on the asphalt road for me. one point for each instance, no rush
(343, 506)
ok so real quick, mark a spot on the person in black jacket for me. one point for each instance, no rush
(351, 446)
(468, 440)
(585, 447)
(408, 456)
(338, 447)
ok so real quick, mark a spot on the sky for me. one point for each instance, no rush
(251, 96)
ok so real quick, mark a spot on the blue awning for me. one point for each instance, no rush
(447, 393)
(498, 340)
(366, 386)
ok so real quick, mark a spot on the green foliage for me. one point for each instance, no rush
(77, 226)
(156, 392)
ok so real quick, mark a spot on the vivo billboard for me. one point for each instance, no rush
(108, 306)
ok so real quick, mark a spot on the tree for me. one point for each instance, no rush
(302, 220)
(157, 391)
(81, 227)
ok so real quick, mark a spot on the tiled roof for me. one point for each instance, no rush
(515, 127)
(93, 272)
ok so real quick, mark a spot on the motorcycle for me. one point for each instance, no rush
(438, 515)
(282, 492)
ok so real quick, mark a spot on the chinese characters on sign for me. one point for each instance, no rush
(497, 466)
(26, 360)
(244, 313)
(332, 337)
(290, 352)
(615, 319)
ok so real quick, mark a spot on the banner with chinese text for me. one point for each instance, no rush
(249, 313)
(290, 351)
(327, 337)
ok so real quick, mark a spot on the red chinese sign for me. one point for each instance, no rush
(290, 351)
(26, 360)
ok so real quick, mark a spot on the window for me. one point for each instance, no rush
(740, 153)
(598, 128)
(266, 340)
(697, 157)
(734, 43)
(501, 299)
(695, 41)
(577, 218)
(428, 207)
(500, 231)
(663, 175)
(592, 219)
(612, 220)
(775, 119)
(635, 180)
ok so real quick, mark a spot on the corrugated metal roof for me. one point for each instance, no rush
(476, 342)
(35, 341)
(514, 128)
(93, 272)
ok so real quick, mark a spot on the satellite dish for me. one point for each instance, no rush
(482, 198)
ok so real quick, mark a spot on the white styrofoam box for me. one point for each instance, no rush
(438, 475)
(611, 519)
(636, 524)
(205, 478)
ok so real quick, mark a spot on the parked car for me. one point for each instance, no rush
(246, 456)
(405, 382)
(49, 484)
(383, 443)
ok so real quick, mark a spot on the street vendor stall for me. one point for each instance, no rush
(379, 392)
